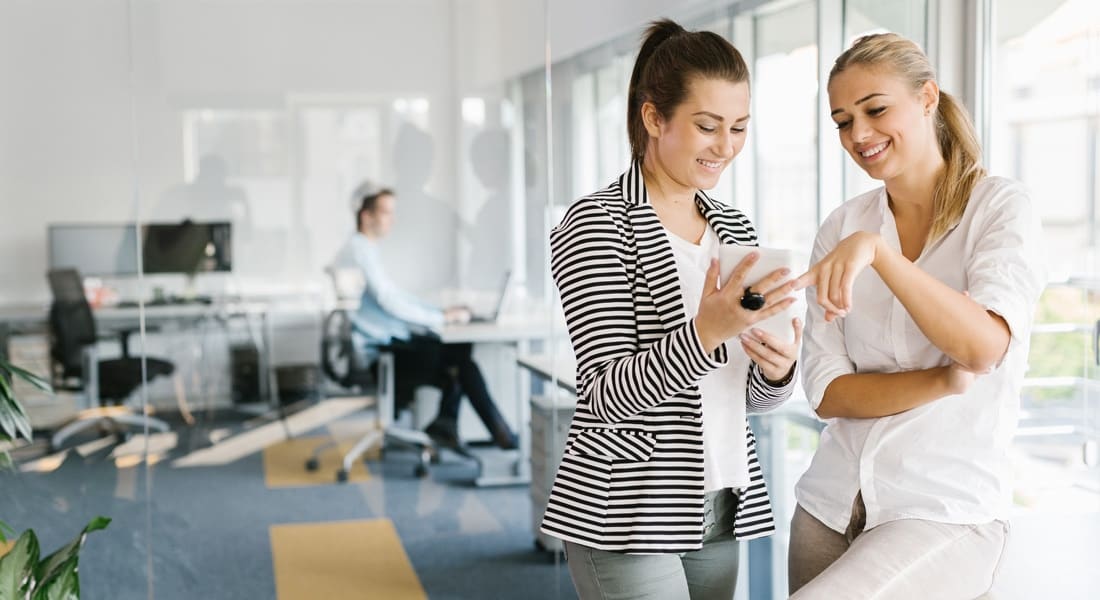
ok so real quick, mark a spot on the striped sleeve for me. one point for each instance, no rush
(762, 396)
(616, 377)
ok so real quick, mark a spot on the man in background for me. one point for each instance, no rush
(392, 318)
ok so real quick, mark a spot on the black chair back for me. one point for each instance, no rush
(340, 359)
(72, 326)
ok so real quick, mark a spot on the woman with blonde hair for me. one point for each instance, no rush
(916, 345)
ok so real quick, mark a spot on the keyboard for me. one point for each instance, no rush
(168, 301)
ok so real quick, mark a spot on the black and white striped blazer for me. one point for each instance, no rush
(631, 478)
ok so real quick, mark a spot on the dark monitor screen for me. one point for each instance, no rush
(187, 247)
(98, 250)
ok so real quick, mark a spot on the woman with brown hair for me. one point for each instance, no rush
(660, 481)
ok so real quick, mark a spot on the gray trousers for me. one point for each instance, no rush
(706, 574)
(899, 560)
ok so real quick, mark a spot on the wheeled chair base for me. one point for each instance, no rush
(112, 416)
(409, 438)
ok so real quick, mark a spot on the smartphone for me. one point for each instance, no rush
(729, 255)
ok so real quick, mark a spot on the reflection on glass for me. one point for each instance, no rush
(425, 235)
(490, 258)
(162, 118)
(342, 142)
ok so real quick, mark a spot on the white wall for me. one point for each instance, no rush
(84, 138)
(67, 124)
(506, 37)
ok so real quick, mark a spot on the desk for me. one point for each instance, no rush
(189, 313)
(24, 318)
(514, 331)
(507, 329)
(551, 415)
(562, 370)
(30, 318)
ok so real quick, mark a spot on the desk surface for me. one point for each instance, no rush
(180, 311)
(561, 369)
(32, 318)
(24, 312)
(508, 328)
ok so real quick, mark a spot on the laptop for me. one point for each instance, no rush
(501, 297)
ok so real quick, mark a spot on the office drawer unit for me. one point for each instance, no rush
(549, 426)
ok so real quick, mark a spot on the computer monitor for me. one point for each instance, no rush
(188, 247)
(93, 249)
(110, 249)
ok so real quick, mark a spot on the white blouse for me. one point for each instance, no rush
(725, 453)
(947, 460)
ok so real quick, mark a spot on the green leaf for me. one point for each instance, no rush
(5, 531)
(64, 584)
(29, 377)
(22, 421)
(8, 423)
(12, 416)
(53, 564)
(11, 408)
(13, 423)
(17, 567)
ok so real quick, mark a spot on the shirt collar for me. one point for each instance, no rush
(635, 194)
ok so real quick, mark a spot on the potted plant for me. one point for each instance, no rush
(24, 573)
(13, 419)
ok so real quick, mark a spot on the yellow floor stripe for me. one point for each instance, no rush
(284, 463)
(348, 559)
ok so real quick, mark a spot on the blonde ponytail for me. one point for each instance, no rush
(962, 155)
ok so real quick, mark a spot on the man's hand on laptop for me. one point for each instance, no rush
(457, 315)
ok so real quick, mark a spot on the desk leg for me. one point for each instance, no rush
(91, 379)
(269, 354)
(519, 472)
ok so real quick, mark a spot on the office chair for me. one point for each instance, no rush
(73, 340)
(344, 365)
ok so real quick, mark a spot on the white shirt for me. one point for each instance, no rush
(725, 453)
(386, 312)
(947, 460)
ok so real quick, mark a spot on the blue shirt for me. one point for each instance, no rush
(386, 312)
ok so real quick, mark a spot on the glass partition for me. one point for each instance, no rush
(71, 228)
(377, 164)
(203, 167)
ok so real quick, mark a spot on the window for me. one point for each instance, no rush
(784, 125)
(864, 17)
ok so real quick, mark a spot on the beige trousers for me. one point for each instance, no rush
(910, 558)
